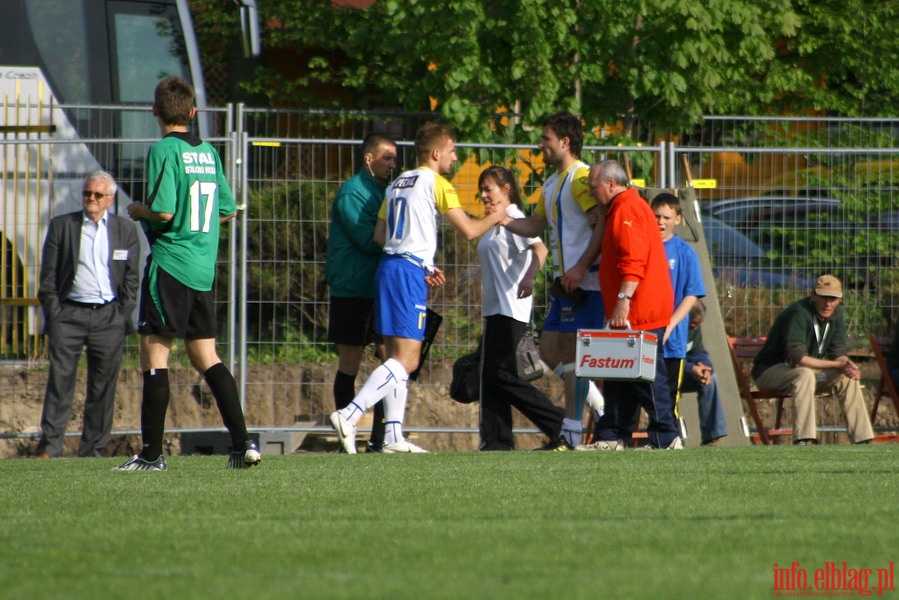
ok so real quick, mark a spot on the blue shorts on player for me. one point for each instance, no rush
(568, 316)
(401, 298)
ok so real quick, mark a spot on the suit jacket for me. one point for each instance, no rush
(60, 259)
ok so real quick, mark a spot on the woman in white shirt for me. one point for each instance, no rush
(509, 263)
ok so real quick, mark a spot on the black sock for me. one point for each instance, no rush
(227, 398)
(378, 425)
(344, 389)
(153, 407)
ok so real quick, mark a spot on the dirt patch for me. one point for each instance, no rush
(276, 396)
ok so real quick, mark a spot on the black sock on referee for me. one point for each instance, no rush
(378, 425)
(153, 407)
(344, 389)
(227, 398)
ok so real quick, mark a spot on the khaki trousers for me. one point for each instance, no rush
(804, 384)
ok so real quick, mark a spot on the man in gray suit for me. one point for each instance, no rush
(89, 284)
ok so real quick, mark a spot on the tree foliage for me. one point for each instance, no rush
(850, 45)
(663, 63)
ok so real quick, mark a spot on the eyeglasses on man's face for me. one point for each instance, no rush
(86, 194)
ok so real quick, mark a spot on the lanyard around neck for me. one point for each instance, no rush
(821, 337)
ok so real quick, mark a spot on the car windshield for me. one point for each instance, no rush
(724, 240)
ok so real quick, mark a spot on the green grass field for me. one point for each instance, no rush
(699, 523)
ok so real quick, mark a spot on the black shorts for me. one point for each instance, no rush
(351, 321)
(171, 309)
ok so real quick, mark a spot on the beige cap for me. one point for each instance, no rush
(828, 285)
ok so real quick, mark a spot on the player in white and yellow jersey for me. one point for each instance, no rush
(410, 211)
(407, 230)
(566, 207)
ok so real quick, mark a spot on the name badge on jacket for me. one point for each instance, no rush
(119, 255)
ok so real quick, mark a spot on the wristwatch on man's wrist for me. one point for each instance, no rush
(623, 296)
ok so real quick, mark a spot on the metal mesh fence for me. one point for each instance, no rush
(793, 198)
(797, 198)
(291, 184)
(42, 178)
(296, 161)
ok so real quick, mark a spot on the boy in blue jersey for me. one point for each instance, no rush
(188, 198)
(686, 279)
(407, 230)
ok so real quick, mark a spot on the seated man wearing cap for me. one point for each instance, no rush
(806, 353)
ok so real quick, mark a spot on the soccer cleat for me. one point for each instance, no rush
(601, 445)
(372, 449)
(676, 444)
(346, 433)
(403, 447)
(136, 463)
(246, 458)
(557, 445)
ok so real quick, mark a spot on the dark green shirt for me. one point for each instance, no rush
(353, 256)
(794, 335)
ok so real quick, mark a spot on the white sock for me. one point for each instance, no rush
(595, 401)
(379, 384)
(394, 411)
(571, 431)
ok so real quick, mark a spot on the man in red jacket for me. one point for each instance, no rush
(637, 293)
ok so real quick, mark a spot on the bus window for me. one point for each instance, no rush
(100, 51)
(58, 30)
(148, 47)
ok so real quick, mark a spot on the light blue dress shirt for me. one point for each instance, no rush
(93, 284)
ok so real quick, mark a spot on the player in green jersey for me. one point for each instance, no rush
(188, 198)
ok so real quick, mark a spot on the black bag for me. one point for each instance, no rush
(465, 387)
(432, 324)
(529, 365)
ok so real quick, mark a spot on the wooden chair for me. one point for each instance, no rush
(743, 349)
(886, 387)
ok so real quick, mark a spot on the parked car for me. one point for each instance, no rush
(886, 221)
(742, 262)
(806, 237)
